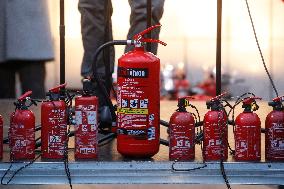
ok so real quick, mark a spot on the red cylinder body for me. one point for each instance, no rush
(182, 137)
(1, 137)
(138, 99)
(274, 136)
(86, 128)
(247, 137)
(22, 135)
(53, 129)
(215, 131)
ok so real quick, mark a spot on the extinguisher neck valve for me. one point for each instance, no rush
(21, 105)
(247, 107)
(21, 102)
(183, 102)
(214, 105)
(249, 104)
(181, 109)
(216, 102)
(278, 106)
(53, 96)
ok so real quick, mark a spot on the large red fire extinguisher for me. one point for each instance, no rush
(1, 137)
(215, 145)
(54, 125)
(86, 126)
(22, 131)
(138, 100)
(182, 133)
(248, 132)
(274, 131)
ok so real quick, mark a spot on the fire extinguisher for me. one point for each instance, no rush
(248, 132)
(182, 133)
(54, 124)
(215, 146)
(1, 137)
(274, 131)
(86, 126)
(22, 130)
(138, 100)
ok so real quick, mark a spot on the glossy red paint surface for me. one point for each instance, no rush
(138, 98)
(53, 129)
(274, 136)
(215, 135)
(247, 137)
(86, 127)
(182, 137)
(22, 135)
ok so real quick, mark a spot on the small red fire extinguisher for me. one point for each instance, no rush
(215, 145)
(274, 131)
(138, 100)
(1, 137)
(248, 132)
(54, 125)
(182, 133)
(22, 131)
(86, 126)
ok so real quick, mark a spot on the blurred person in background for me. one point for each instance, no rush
(96, 29)
(25, 46)
(182, 85)
(208, 85)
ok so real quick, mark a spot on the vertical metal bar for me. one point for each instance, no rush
(219, 47)
(62, 43)
(271, 47)
(149, 22)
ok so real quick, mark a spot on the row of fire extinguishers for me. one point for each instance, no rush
(247, 131)
(138, 118)
(55, 117)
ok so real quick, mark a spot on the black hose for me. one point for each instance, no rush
(164, 123)
(99, 80)
(98, 51)
(164, 142)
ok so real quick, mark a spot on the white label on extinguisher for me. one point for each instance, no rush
(276, 137)
(151, 133)
(92, 117)
(78, 117)
(54, 139)
(87, 150)
(20, 143)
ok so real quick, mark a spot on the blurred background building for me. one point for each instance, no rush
(189, 28)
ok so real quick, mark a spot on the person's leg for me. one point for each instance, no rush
(7, 80)
(96, 29)
(138, 19)
(32, 77)
(94, 18)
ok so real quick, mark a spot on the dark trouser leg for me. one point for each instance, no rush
(93, 27)
(96, 29)
(7, 80)
(138, 19)
(32, 77)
